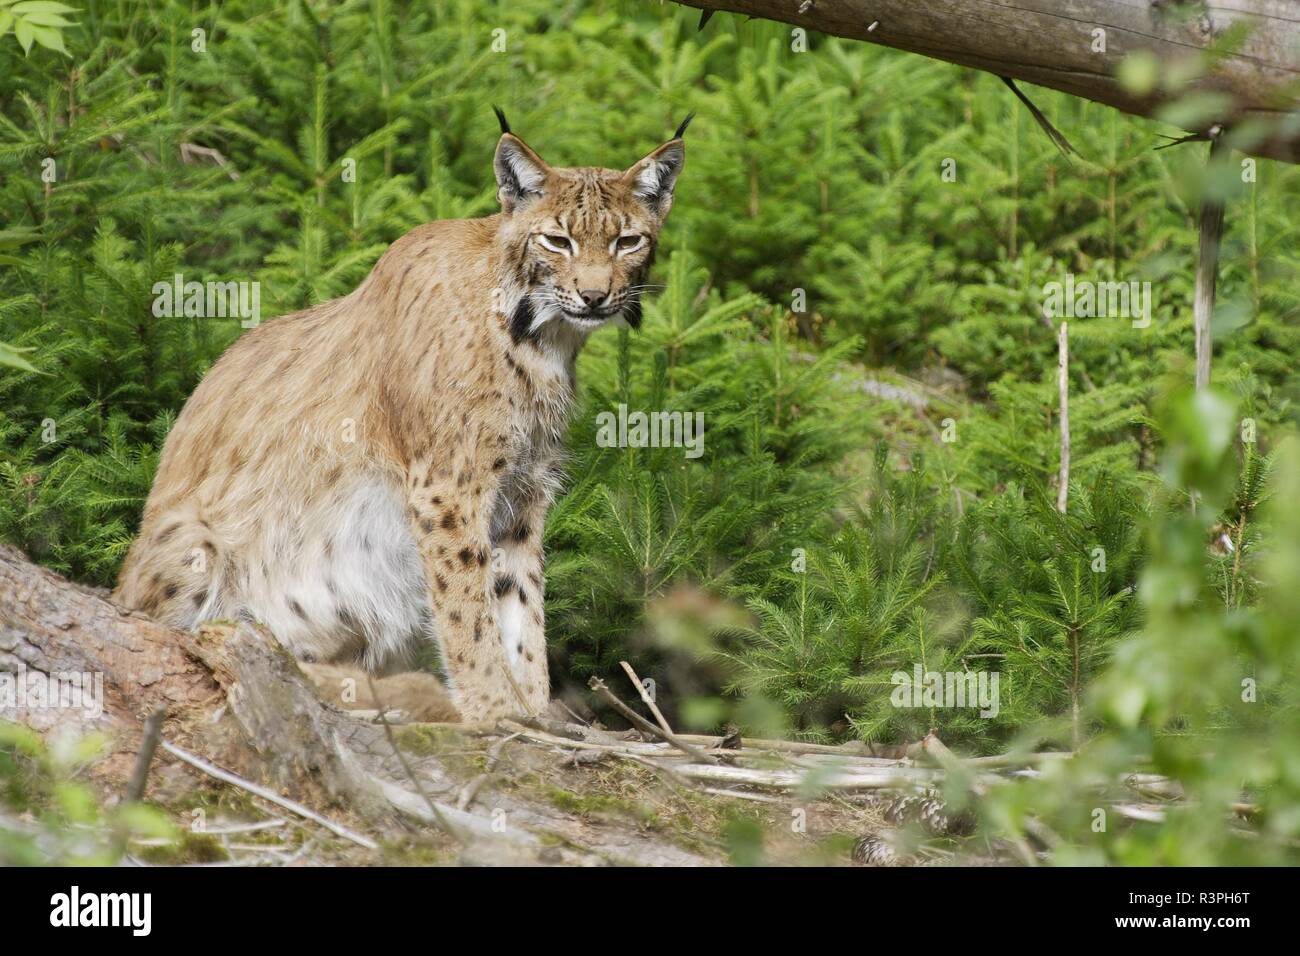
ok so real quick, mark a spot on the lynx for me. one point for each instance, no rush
(374, 472)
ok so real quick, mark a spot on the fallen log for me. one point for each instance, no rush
(237, 699)
(1056, 44)
(54, 633)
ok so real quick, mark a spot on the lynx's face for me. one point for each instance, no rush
(580, 240)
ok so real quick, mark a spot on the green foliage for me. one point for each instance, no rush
(857, 257)
(1206, 692)
(826, 644)
(636, 521)
(63, 822)
(1051, 591)
(39, 22)
(1011, 587)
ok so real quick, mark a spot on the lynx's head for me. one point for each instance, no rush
(579, 241)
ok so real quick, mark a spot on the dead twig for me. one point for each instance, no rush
(198, 763)
(641, 723)
(140, 774)
(148, 746)
(645, 697)
(517, 690)
(827, 779)
(1210, 235)
(437, 814)
(471, 789)
(558, 728)
(272, 824)
(192, 151)
(1063, 386)
(1012, 759)
(853, 749)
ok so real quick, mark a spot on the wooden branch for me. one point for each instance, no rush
(641, 723)
(645, 696)
(471, 789)
(830, 778)
(1053, 44)
(1063, 386)
(148, 745)
(293, 806)
(1207, 267)
(888, 753)
(1013, 759)
(139, 776)
(436, 814)
(191, 152)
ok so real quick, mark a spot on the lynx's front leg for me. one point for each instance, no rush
(449, 513)
(520, 591)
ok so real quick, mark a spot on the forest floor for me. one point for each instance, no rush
(610, 799)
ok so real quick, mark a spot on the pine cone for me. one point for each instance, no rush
(933, 815)
(929, 810)
(871, 850)
(902, 809)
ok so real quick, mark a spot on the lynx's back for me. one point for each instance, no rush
(278, 480)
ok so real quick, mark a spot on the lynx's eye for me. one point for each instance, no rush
(557, 243)
(629, 242)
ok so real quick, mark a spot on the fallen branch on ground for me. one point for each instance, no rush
(270, 796)
(642, 724)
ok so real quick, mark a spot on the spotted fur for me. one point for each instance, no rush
(375, 471)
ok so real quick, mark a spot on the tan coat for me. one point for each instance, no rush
(375, 471)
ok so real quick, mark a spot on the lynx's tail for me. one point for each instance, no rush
(178, 571)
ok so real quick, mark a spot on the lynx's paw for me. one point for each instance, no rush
(421, 698)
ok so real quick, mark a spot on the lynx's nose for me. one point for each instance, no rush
(594, 298)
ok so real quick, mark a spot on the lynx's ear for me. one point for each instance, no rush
(652, 178)
(520, 172)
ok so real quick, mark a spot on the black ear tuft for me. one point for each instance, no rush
(505, 126)
(681, 130)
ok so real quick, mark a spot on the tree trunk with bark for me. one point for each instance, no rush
(1055, 43)
(236, 698)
